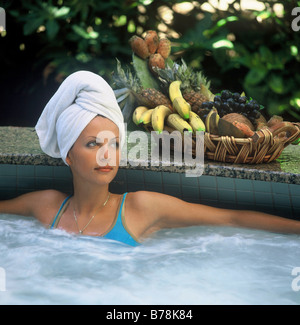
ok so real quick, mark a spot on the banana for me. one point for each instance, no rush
(196, 122)
(146, 116)
(138, 113)
(175, 121)
(158, 117)
(174, 90)
(182, 107)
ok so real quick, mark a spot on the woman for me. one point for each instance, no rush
(83, 124)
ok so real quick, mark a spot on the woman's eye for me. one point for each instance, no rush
(115, 145)
(92, 144)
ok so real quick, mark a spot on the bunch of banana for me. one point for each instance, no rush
(181, 106)
(181, 119)
(158, 117)
(196, 123)
(142, 115)
(176, 122)
(161, 115)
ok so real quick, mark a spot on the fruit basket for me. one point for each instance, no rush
(161, 95)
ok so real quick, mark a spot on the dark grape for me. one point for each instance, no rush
(256, 114)
(230, 102)
(217, 98)
(236, 106)
(236, 96)
(249, 107)
(225, 106)
(210, 105)
(226, 94)
(242, 107)
(243, 99)
(205, 105)
(217, 105)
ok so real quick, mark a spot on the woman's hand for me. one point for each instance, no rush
(165, 211)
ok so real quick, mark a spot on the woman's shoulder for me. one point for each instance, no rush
(147, 201)
(46, 203)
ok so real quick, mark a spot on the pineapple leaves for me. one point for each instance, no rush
(146, 78)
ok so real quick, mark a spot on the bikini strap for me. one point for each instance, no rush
(60, 212)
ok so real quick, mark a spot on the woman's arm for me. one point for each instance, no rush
(39, 204)
(171, 212)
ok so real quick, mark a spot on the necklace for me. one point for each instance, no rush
(75, 217)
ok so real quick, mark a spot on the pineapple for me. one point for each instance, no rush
(194, 86)
(129, 91)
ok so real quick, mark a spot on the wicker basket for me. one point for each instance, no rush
(264, 147)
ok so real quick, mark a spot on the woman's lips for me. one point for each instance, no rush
(104, 169)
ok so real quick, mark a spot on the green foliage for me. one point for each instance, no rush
(73, 34)
(255, 50)
(252, 51)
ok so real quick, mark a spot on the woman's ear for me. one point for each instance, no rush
(68, 160)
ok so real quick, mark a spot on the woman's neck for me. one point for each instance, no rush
(88, 199)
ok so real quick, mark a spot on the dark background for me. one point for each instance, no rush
(238, 48)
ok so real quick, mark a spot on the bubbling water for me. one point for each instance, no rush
(190, 266)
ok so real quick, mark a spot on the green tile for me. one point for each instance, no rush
(118, 187)
(261, 186)
(190, 192)
(296, 202)
(225, 183)
(280, 188)
(281, 200)
(263, 198)
(43, 171)
(8, 170)
(208, 193)
(26, 182)
(7, 193)
(133, 187)
(171, 178)
(172, 190)
(283, 211)
(153, 177)
(153, 187)
(226, 195)
(43, 183)
(8, 181)
(207, 181)
(244, 197)
(25, 171)
(121, 175)
(264, 208)
(189, 181)
(135, 176)
(294, 189)
(243, 184)
(62, 171)
(62, 185)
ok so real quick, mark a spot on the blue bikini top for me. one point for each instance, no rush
(118, 230)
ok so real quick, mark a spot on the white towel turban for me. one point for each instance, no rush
(82, 96)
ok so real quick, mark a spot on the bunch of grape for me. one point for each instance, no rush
(229, 102)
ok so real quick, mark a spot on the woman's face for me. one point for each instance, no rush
(95, 156)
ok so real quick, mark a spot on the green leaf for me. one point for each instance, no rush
(223, 43)
(52, 28)
(145, 76)
(277, 84)
(255, 76)
(32, 25)
(61, 12)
